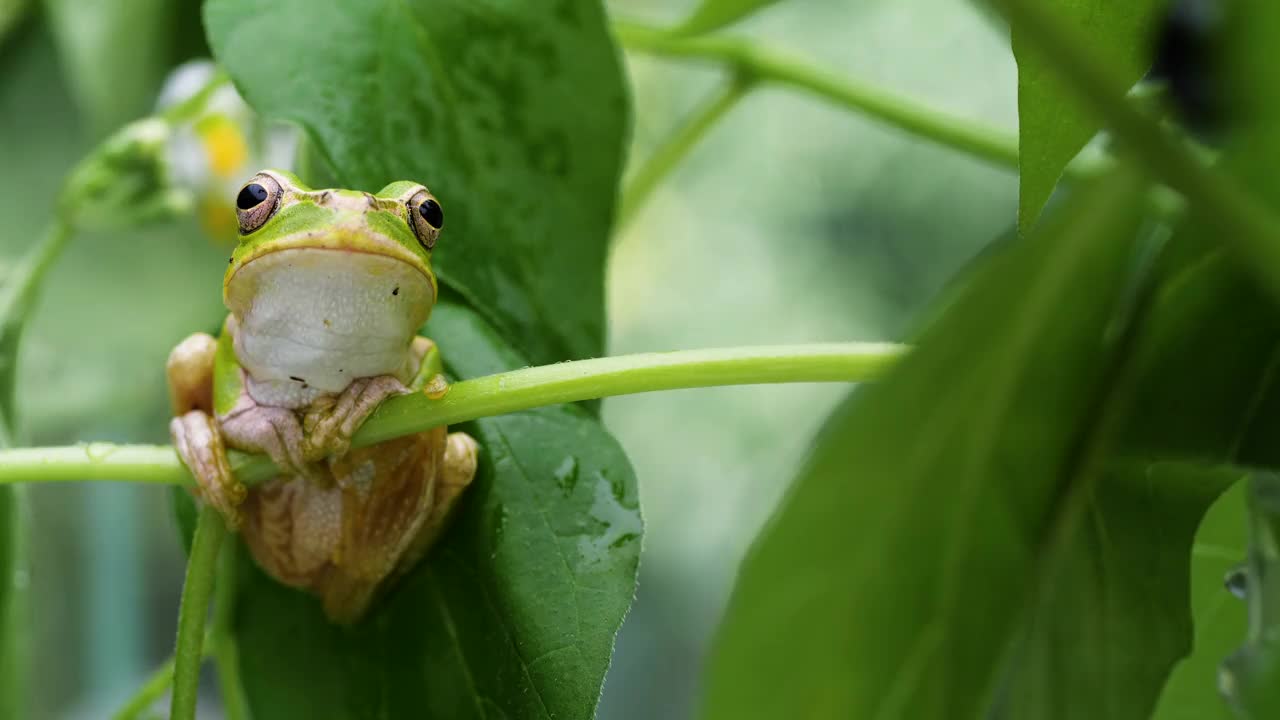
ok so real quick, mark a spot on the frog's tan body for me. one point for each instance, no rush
(321, 332)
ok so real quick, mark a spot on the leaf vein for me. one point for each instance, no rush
(452, 629)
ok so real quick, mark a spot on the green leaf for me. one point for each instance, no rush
(115, 54)
(890, 581)
(1191, 692)
(1250, 677)
(515, 114)
(715, 14)
(1206, 394)
(1114, 617)
(512, 614)
(1052, 127)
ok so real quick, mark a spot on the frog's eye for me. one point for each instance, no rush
(427, 217)
(257, 202)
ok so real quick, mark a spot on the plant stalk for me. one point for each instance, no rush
(188, 651)
(668, 155)
(486, 396)
(754, 59)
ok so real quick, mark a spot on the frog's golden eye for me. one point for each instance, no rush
(427, 218)
(257, 202)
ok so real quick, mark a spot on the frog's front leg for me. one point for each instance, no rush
(275, 431)
(195, 432)
(329, 424)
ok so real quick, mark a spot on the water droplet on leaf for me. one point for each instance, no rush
(619, 525)
(499, 522)
(1237, 580)
(566, 474)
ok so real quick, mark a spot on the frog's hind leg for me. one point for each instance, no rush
(396, 498)
(388, 493)
(461, 457)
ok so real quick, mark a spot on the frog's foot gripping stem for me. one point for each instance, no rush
(329, 424)
(274, 431)
(200, 445)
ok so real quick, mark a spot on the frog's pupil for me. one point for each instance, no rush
(251, 196)
(431, 211)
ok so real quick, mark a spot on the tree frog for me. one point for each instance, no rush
(326, 290)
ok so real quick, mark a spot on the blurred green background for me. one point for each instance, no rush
(794, 221)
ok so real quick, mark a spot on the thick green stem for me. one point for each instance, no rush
(1244, 224)
(491, 395)
(675, 148)
(625, 375)
(752, 59)
(92, 462)
(188, 652)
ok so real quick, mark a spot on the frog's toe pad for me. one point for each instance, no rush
(461, 458)
(199, 444)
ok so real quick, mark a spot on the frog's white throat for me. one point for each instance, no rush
(311, 320)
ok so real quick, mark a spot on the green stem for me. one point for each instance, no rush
(752, 59)
(672, 151)
(491, 395)
(1242, 221)
(17, 293)
(16, 296)
(148, 694)
(187, 653)
(91, 462)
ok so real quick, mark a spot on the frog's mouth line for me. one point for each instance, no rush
(329, 242)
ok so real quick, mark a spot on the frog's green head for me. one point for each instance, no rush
(277, 212)
(338, 276)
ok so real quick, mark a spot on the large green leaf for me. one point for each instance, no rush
(715, 14)
(891, 580)
(1052, 127)
(1117, 616)
(514, 113)
(512, 614)
(1114, 616)
(1250, 677)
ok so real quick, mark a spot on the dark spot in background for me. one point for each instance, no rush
(1187, 57)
